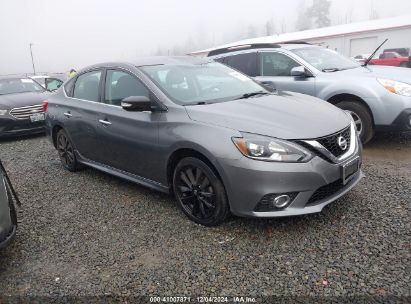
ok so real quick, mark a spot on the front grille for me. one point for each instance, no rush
(26, 112)
(331, 142)
(265, 204)
(325, 191)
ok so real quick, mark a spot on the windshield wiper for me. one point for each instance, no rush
(366, 62)
(330, 70)
(248, 95)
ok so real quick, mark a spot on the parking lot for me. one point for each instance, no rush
(89, 233)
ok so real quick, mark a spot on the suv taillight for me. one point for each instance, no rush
(45, 105)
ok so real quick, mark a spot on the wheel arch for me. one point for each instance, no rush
(350, 97)
(54, 131)
(181, 153)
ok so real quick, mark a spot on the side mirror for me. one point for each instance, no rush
(268, 85)
(136, 103)
(299, 71)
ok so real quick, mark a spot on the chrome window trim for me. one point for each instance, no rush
(320, 148)
(102, 71)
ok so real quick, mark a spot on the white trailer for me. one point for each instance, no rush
(349, 39)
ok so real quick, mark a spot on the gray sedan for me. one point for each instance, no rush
(212, 136)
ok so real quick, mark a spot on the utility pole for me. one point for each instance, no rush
(32, 60)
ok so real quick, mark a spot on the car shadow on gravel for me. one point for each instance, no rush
(10, 139)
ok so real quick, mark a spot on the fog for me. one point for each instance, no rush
(76, 33)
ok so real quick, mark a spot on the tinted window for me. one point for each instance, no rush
(68, 87)
(87, 86)
(276, 64)
(246, 63)
(120, 85)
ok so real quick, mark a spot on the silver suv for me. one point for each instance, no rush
(378, 97)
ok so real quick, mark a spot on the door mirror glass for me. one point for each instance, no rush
(136, 103)
(298, 71)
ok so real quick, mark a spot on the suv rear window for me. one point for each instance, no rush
(246, 63)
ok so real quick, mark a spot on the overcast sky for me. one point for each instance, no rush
(77, 33)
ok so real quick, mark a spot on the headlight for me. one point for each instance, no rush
(3, 112)
(396, 87)
(270, 149)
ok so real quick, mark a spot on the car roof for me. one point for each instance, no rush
(258, 47)
(153, 60)
(2, 77)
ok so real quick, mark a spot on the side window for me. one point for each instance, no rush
(68, 87)
(120, 85)
(87, 86)
(53, 84)
(246, 63)
(276, 64)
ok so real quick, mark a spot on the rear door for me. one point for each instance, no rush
(80, 113)
(276, 67)
(129, 139)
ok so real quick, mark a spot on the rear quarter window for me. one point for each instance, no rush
(68, 87)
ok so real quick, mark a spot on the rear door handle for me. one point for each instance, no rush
(68, 114)
(104, 122)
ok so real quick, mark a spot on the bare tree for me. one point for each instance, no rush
(373, 11)
(320, 11)
(269, 27)
(304, 20)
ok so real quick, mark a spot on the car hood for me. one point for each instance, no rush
(11, 101)
(386, 72)
(284, 115)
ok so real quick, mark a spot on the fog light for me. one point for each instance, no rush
(281, 201)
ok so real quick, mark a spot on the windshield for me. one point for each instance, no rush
(325, 60)
(19, 85)
(205, 83)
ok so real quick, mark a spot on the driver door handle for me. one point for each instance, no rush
(104, 122)
(68, 114)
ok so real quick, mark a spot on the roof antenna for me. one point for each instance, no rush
(373, 54)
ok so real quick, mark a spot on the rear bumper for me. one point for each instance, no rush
(10, 126)
(401, 123)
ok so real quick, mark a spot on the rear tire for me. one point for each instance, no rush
(361, 117)
(199, 192)
(404, 64)
(66, 152)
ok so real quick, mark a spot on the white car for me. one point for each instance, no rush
(48, 82)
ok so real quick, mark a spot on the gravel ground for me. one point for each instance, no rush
(88, 234)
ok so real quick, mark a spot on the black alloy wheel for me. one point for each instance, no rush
(66, 151)
(199, 192)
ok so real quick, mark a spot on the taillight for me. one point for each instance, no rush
(45, 105)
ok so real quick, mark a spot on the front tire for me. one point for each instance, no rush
(362, 119)
(199, 192)
(66, 152)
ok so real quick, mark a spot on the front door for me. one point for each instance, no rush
(276, 67)
(129, 139)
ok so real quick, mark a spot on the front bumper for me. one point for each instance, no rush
(248, 181)
(401, 123)
(10, 126)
